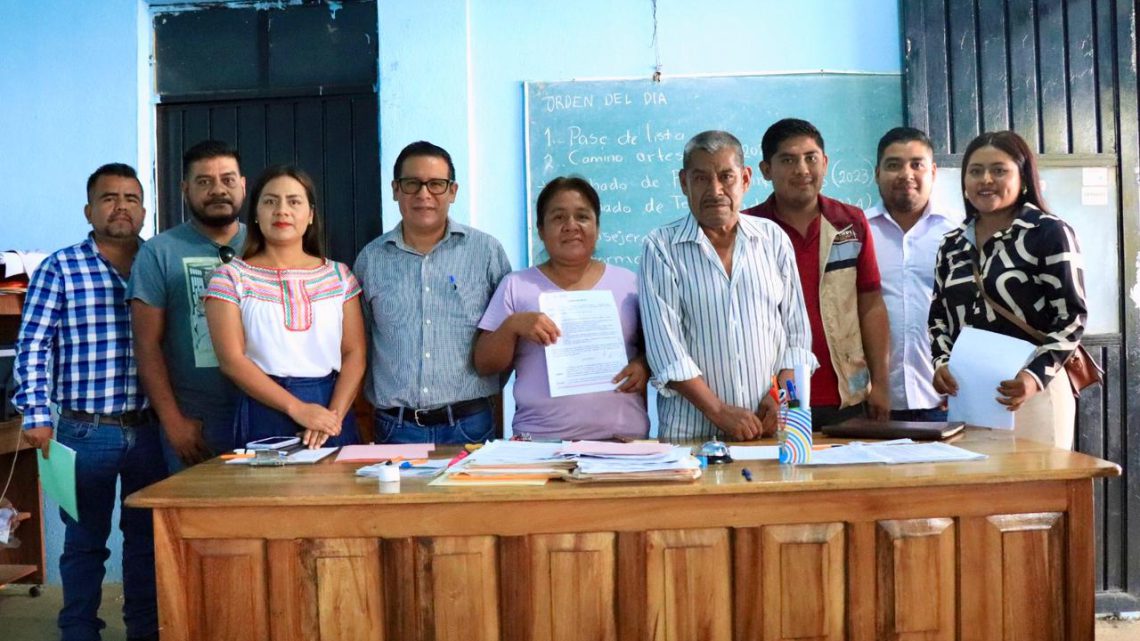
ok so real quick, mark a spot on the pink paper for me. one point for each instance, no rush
(374, 453)
(615, 449)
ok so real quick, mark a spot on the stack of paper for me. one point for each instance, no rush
(418, 468)
(893, 453)
(599, 461)
(509, 463)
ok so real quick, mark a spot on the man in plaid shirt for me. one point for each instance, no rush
(74, 352)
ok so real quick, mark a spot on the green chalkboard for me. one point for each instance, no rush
(627, 138)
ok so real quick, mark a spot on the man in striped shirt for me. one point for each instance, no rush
(721, 304)
(74, 352)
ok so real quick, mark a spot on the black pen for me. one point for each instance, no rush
(747, 474)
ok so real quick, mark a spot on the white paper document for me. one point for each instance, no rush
(591, 350)
(979, 362)
(754, 452)
(858, 453)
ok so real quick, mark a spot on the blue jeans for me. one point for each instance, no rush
(106, 453)
(217, 432)
(933, 415)
(475, 428)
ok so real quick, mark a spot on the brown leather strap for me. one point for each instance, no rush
(1006, 314)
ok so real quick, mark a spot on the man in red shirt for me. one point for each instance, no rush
(840, 277)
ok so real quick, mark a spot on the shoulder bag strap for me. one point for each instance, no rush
(1006, 314)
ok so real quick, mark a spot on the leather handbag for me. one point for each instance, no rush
(1082, 369)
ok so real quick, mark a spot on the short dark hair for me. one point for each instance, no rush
(206, 150)
(119, 169)
(902, 134)
(311, 242)
(1023, 157)
(568, 183)
(785, 129)
(422, 148)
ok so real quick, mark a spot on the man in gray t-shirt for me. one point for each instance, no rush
(177, 366)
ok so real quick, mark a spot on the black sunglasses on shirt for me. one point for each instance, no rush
(226, 253)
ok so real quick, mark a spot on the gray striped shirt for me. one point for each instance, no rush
(734, 331)
(422, 311)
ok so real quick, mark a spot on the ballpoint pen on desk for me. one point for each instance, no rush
(747, 474)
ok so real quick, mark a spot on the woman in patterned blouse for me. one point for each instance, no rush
(286, 322)
(1030, 263)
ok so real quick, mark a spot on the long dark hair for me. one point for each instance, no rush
(1016, 147)
(311, 241)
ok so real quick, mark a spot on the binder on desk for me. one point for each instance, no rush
(917, 430)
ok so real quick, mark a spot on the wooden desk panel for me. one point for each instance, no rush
(994, 549)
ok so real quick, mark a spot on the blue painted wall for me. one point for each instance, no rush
(450, 71)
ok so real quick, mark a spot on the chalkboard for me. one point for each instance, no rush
(627, 138)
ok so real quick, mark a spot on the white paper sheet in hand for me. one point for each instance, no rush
(591, 350)
(979, 362)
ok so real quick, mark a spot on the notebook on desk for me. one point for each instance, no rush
(917, 430)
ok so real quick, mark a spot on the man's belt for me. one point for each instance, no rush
(438, 415)
(126, 419)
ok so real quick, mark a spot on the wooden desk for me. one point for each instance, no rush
(994, 549)
(25, 564)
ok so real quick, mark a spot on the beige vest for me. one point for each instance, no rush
(839, 309)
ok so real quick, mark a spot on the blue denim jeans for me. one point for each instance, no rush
(105, 453)
(933, 415)
(475, 428)
(255, 420)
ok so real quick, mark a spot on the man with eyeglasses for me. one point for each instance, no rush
(426, 284)
(177, 365)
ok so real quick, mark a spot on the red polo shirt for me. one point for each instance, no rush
(824, 382)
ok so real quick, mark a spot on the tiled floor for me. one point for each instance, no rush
(23, 618)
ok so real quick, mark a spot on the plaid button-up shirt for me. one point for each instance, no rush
(74, 347)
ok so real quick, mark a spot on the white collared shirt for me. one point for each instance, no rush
(736, 330)
(906, 265)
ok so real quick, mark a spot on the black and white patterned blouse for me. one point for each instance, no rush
(1034, 268)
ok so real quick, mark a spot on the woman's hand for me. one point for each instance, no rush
(315, 418)
(313, 439)
(944, 383)
(536, 327)
(633, 377)
(1017, 390)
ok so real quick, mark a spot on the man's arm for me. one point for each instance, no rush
(43, 311)
(185, 435)
(738, 423)
(875, 329)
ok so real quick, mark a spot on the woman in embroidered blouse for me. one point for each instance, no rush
(286, 322)
(514, 332)
(1030, 263)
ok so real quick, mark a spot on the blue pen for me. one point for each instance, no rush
(454, 285)
(791, 385)
(747, 474)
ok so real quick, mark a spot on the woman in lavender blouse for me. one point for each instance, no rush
(514, 331)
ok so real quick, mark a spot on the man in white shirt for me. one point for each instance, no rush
(721, 304)
(907, 233)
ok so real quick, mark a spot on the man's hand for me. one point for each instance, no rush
(737, 423)
(536, 327)
(769, 415)
(944, 383)
(185, 438)
(1017, 390)
(633, 377)
(39, 438)
(879, 403)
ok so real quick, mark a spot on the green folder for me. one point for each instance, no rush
(57, 476)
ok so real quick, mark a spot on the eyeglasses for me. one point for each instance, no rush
(226, 253)
(435, 186)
